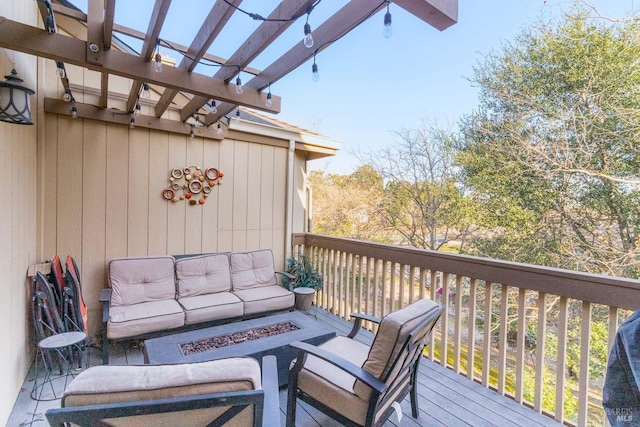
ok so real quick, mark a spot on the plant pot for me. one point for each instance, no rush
(304, 298)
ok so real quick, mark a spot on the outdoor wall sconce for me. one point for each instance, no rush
(14, 100)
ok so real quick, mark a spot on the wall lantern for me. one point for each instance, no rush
(14, 100)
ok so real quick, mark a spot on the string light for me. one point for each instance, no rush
(238, 85)
(67, 97)
(238, 113)
(387, 31)
(198, 122)
(308, 38)
(146, 93)
(269, 102)
(74, 111)
(192, 133)
(132, 122)
(158, 65)
(61, 71)
(219, 128)
(315, 76)
(212, 106)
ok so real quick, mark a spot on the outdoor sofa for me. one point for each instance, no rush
(149, 296)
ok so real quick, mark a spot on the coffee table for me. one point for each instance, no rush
(167, 349)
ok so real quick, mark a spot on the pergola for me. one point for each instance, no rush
(93, 44)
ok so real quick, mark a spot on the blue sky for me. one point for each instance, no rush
(371, 86)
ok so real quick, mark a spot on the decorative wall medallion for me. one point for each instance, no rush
(191, 184)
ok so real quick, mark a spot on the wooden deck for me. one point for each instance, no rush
(445, 398)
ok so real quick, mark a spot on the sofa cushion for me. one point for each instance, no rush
(117, 384)
(252, 269)
(137, 319)
(138, 280)
(204, 308)
(265, 298)
(200, 275)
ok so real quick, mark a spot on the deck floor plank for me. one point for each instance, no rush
(445, 398)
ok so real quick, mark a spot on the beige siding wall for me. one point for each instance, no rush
(103, 185)
(18, 223)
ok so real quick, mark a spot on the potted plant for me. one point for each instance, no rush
(306, 280)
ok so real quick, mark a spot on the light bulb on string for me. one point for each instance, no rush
(192, 133)
(67, 97)
(132, 122)
(74, 112)
(137, 110)
(198, 122)
(315, 75)
(158, 64)
(61, 71)
(219, 128)
(146, 93)
(387, 30)
(238, 85)
(238, 113)
(269, 102)
(212, 106)
(308, 38)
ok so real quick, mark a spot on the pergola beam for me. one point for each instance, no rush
(343, 21)
(212, 26)
(25, 38)
(158, 16)
(256, 43)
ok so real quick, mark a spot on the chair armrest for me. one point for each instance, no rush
(343, 364)
(359, 317)
(291, 277)
(271, 409)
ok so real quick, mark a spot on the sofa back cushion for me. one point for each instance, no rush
(252, 269)
(144, 279)
(201, 275)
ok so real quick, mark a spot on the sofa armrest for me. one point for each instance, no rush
(290, 277)
(105, 299)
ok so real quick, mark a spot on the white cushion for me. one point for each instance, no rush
(252, 269)
(138, 280)
(202, 275)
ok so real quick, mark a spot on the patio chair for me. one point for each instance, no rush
(230, 392)
(358, 384)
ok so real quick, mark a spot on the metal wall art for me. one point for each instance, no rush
(192, 184)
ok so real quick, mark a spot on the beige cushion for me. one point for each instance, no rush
(391, 336)
(330, 385)
(252, 269)
(266, 298)
(203, 308)
(115, 384)
(137, 319)
(202, 275)
(138, 280)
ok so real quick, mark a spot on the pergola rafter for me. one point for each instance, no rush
(101, 51)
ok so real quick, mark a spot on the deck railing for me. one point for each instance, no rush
(538, 335)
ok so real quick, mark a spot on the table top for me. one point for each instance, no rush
(63, 339)
(166, 349)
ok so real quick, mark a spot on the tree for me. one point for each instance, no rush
(347, 205)
(422, 205)
(552, 151)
